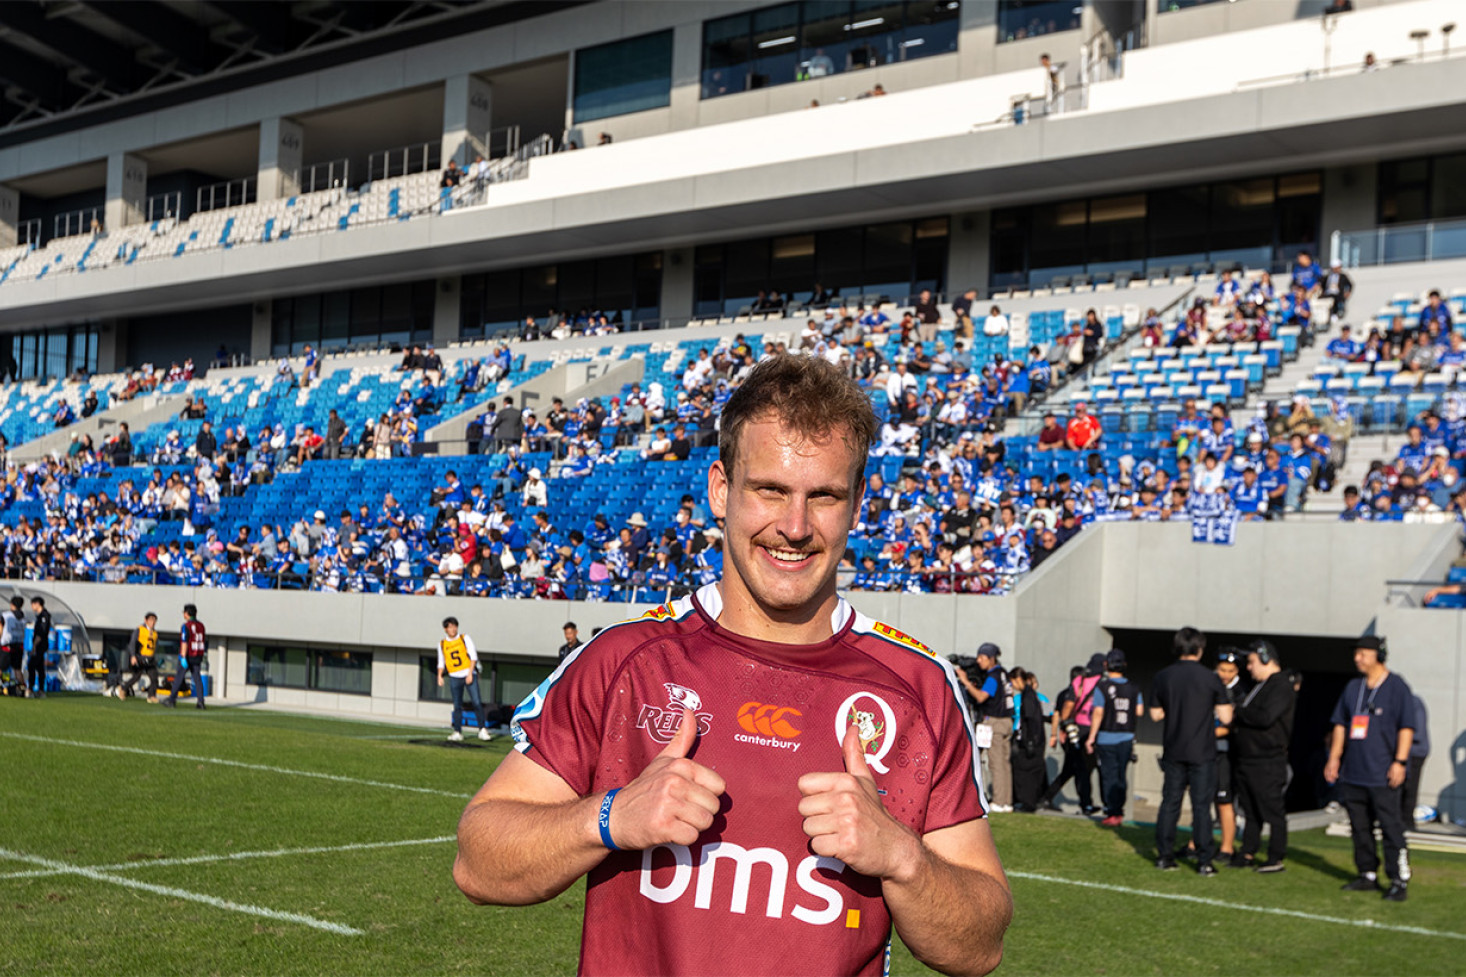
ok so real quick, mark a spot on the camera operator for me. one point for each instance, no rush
(993, 693)
(1262, 728)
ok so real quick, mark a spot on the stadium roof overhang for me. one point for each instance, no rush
(1334, 122)
(66, 64)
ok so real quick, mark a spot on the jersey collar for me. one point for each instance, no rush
(710, 598)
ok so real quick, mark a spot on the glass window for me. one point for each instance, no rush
(1404, 191)
(791, 266)
(272, 665)
(1018, 19)
(837, 258)
(746, 271)
(1116, 233)
(518, 680)
(707, 280)
(775, 46)
(725, 55)
(428, 688)
(931, 28)
(647, 296)
(624, 76)
(1167, 6)
(343, 671)
(1242, 222)
(1448, 187)
(825, 38)
(1057, 244)
(366, 314)
(887, 268)
(1178, 219)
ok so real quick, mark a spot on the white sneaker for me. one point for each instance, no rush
(455, 737)
(1001, 809)
(484, 734)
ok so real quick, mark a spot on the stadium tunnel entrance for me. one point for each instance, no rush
(1325, 665)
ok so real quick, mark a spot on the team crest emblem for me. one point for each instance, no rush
(662, 723)
(875, 723)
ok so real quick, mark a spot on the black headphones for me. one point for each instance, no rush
(1384, 650)
(1264, 651)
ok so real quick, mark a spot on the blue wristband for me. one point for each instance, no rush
(604, 820)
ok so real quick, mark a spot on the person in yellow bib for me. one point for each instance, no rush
(458, 658)
(142, 657)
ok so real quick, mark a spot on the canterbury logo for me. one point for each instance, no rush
(757, 717)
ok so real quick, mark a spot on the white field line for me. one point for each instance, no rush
(237, 856)
(265, 768)
(1243, 907)
(172, 893)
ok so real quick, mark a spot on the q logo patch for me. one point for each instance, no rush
(875, 722)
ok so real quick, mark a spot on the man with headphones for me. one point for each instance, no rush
(1262, 728)
(1374, 726)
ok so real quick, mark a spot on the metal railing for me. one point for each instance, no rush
(323, 176)
(231, 193)
(503, 141)
(77, 222)
(28, 232)
(405, 160)
(1353, 68)
(162, 206)
(1396, 243)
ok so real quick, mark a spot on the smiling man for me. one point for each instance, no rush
(756, 778)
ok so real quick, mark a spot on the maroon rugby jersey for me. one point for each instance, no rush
(749, 897)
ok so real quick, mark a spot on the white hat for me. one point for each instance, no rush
(1336, 263)
(534, 473)
(320, 514)
(638, 520)
(713, 532)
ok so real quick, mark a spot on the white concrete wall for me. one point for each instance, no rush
(1219, 62)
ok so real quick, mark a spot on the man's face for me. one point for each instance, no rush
(1255, 668)
(1226, 671)
(1365, 659)
(572, 635)
(789, 505)
(451, 630)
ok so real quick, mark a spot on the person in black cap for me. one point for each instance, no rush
(1374, 727)
(1072, 713)
(1189, 699)
(1116, 715)
(1261, 731)
(994, 698)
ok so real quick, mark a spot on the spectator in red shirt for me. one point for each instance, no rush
(1083, 430)
(310, 446)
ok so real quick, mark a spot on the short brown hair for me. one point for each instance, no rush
(806, 393)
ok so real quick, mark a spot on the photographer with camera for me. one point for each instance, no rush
(990, 689)
(1072, 712)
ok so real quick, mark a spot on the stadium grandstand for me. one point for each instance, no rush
(335, 318)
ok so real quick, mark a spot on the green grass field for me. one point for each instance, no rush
(116, 861)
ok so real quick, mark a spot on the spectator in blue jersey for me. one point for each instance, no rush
(1274, 481)
(1298, 311)
(1228, 290)
(1248, 497)
(1414, 453)
(1355, 508)
(1040, 372)
(1305, 273)
(1261, 292)
(1435, 312)
(1345, 347)
(1300, 470)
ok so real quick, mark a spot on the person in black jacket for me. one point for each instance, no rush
(1262, 728)
(1030, 773)
(35, 666)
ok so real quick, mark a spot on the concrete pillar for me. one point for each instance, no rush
(977, 39)
(9, 217)
(677, 283)
(468, 114)
(261, 331)
(447, 311)
(1152, 35)
(111, 346)
(686, 75)
(968, 253)
(282, 152)
(127, 190)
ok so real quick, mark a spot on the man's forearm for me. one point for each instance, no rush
(951, 918)
(515, 853)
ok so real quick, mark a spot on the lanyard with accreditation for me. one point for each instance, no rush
(1359, 724)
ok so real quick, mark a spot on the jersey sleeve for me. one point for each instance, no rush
(560, 725)
(957, 794)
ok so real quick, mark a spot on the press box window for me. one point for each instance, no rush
(623, 77)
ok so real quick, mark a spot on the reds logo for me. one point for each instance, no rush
(662, 723)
